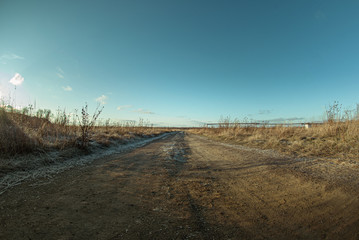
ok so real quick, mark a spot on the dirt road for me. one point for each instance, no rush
(187, 187)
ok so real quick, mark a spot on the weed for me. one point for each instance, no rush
(87, 124)
(338, 136)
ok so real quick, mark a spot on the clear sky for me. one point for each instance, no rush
(182, 62)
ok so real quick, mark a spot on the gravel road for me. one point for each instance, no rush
(186, 186)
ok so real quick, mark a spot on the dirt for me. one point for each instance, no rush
(185, 186)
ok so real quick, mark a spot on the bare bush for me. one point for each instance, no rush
(87, 124)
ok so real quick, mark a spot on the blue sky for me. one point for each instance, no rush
(182, 62)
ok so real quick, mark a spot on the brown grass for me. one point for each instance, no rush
(22, 133)
(12, 138)
(334, 139)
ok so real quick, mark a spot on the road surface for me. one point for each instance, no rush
(185, 186)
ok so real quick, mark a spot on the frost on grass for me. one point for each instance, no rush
(57, 166)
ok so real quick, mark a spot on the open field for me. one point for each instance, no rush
(23, 132)
(213, 120)
(336, 139)
(185, 186)
(100, 181)
(31, 141)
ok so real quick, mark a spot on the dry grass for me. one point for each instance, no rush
(12, 137)
(33, 145)
(22, 133)
(334, 139)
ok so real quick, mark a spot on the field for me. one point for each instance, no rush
(185, 186)
(337, 139)
(24, 132)
(29, 141)
(62, 179)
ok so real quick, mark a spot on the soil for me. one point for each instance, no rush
(184, 186)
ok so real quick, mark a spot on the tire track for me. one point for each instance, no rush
(181, 187)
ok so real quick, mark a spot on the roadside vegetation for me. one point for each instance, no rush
(337, 137)
(29, 131)
(39, 143)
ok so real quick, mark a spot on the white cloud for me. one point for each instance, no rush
(10, 56)
(143, 111)
(17, 79)
(264, 112)
(67, 88)
(60, 75)
(123, 107)
(60, 70)
(102, 99)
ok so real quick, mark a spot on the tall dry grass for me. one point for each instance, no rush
(12, 138)
(27, 131)
(337, 137)
(338, 140)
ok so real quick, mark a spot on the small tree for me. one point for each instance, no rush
(87, 124)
